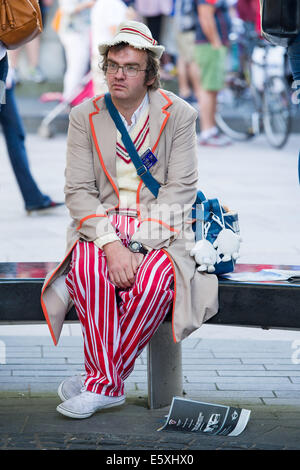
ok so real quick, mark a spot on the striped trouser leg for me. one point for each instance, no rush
(117, 324)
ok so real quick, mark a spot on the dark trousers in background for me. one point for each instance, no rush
(14, 135)
(3, 75)
(294, 58)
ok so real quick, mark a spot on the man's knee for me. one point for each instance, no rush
(87, 264)
(155, 278)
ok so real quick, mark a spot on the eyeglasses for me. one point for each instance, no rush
(129, 70)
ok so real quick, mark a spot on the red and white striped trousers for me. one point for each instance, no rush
(117, 324)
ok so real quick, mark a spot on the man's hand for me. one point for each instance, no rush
(122, 264)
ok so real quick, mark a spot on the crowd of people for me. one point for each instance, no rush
(194, 32)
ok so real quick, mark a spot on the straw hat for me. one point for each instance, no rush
(135, 34)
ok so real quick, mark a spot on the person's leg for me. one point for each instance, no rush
(182, 65)
(183, 82)
(77, 52)
(195, 80)
(15, 141)
(294, 59)
(211, 63)
(94, 297)
(188, 70)
(208, 100)
(33, 53)
(144, 307)
(3, 75)
(116, 324)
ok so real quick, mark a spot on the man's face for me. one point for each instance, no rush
(122, 86)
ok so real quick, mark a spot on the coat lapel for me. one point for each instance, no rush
(158, 115)
(104, 135)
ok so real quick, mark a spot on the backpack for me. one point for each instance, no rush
(21, 21)
(216, 228)
(280, 21)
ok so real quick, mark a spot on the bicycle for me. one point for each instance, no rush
(245, 107)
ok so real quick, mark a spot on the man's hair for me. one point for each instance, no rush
(152, 67)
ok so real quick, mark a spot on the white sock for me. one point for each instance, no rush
(209, 132)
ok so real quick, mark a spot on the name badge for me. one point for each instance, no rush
(148, 158)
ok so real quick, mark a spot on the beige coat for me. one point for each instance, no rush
(92, 190)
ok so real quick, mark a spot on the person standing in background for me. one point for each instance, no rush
(187, 69)
(212, 37)
(106, 15)
(153, 13)
(14, 135)
(74, 34)
(32, 49)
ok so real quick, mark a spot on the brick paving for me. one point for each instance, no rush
(255, 374)
(249, 372)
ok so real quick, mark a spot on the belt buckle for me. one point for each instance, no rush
(144, 168)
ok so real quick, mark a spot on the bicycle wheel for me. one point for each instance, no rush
(276, 111)
(237, 114)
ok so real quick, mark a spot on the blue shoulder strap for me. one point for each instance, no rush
(141, 169)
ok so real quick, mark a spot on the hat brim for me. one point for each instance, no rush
(136, 43)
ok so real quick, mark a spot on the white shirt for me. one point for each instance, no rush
(137, 113)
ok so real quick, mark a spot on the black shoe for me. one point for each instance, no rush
(46, 208)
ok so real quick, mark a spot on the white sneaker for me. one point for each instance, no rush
(86, 404)
(71, 386)
(217, 140)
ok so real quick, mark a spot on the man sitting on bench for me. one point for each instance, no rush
(128, 261)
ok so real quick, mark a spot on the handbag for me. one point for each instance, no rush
(280, 21)
(21, 21)
(215, 224)
(209, 218)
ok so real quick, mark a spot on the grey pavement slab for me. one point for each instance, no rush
(34, 424)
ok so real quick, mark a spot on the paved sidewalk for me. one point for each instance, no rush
(251, 368)
(255, 374)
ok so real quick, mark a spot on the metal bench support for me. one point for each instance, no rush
(164, 368)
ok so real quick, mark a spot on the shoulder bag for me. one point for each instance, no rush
(21, 21)
(209, 217)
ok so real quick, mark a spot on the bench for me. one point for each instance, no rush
(252, 303)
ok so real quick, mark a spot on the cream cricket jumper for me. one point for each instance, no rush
(127, 178)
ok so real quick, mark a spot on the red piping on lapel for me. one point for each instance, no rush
(43, 290)
(164, 110)
(98, 148)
